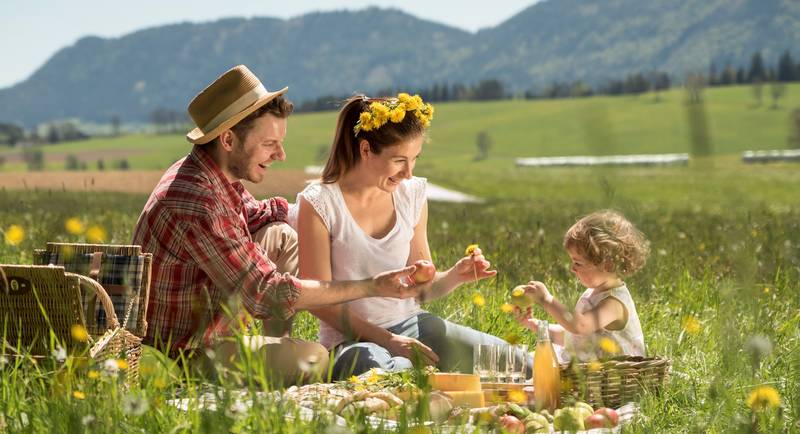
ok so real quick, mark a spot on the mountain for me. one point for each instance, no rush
(343, 52)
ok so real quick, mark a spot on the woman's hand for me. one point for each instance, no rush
(473, 267)
(525, 318)
(539, 292)
(411, 349)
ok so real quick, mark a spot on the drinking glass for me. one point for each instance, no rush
(484, 359)
(515, 366)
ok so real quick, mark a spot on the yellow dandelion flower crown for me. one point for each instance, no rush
(393, 109)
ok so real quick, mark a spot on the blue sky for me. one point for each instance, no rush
(33, 30)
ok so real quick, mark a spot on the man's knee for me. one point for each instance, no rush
(279, 242)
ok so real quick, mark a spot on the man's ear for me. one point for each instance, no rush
(364, 149)
(226, 140)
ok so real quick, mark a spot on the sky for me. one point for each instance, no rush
(33, 30)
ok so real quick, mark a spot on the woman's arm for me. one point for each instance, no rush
(315, 263)
(468, 268)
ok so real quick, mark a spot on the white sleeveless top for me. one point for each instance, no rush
(630, 338)
(355, 255)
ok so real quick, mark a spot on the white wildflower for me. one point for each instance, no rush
(87, 420)
(60, 354)
(110, 366)
(134, 405)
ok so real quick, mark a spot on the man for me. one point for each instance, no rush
(218, 252)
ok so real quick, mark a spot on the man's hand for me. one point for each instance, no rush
(472, 267)
(539, 292)
(411, 349)
(395, 284)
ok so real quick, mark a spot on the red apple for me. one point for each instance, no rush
(512, 424)
(609, 413)
(424, 272)
(596, 421)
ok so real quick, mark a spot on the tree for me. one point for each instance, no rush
(10, 134)
(101, 165)
(757, 71)
(699, 137)
(115, 125)
(777, 89)
(123, 164)
(484, 143)
(728, 76)
(72, 162)
(758, 91)
(660, 83)
(694, 84)
(786, 67)
(489, 89)
(794, 129)
(34, 158)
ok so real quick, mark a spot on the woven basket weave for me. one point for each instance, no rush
(36, 301)
(611, 383)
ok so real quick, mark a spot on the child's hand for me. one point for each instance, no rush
(525, 319)
(539, 292)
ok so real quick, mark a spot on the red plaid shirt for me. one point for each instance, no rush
(198, 227)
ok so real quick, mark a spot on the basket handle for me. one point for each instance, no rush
(105, 300)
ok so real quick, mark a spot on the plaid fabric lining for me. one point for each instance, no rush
(115, 270)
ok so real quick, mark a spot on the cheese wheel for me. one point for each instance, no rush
(471, 399)
(446, 381)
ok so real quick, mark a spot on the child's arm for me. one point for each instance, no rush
(527, 320)
(608, 311)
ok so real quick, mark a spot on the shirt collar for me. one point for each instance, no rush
(230, 191)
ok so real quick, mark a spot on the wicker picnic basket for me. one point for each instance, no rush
(37, 302)
(613, 382)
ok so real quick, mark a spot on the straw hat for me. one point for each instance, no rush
(225, 102)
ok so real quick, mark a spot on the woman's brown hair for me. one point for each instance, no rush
(345, 150)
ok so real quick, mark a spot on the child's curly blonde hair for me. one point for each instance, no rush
(607, 239)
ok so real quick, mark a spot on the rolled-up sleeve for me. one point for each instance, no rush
(239, 268)
(262, 212)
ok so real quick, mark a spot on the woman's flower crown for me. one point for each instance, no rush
(393, 109)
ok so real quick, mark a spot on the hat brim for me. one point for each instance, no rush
(200, 137)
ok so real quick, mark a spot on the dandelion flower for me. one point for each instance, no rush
(763, 397)
(134, 405)
(160, 383)
(766, 290)
(478, 300)
(96, 234)
(691, 325)
(93, 374)
(609, 346)
(507, 308)
(122, 364)
(78, 395)
(14, 235)
(355, 380)
(60, 354)
(74, 226)
(373, 377)
(79, 333)
(470, 249)
(517, 396)
(595, 366)
(87, 420)
(110, 366)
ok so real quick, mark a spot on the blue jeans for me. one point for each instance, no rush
(451, 342)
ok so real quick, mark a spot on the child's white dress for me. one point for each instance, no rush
(629, 340)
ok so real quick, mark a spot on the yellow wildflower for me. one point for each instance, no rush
(766, 290)
(373, 377)
(93, 374)
(595, 366)
(507, 308)
(397, 115)
(701, 247)
(478, 300)
(79, 333)
(78, 394)
(609, 346)
(516, 395)
(762, 397)
(470, 249)
(14, 235)
(691, 325)
(355, 380)
(365, 118)
(754, 233)
(96, 234)
(121, 364)
(160, 383)
(74, 226)
(512, 338)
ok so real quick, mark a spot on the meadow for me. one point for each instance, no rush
(718, 295)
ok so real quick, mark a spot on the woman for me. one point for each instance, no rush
(369, 214)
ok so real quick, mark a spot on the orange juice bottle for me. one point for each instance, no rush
(546, 374)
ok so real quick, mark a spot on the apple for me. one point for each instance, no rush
(610, 414)
(425, 271)
(520, 297)
(597, 421)
(512, 424)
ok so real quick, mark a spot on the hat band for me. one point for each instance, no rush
(237, 106)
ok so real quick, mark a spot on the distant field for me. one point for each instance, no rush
(519, 128)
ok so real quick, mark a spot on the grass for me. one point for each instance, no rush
(518, 128)
(725, 258)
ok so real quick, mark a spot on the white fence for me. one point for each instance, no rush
(771, 156)
(608, 160)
